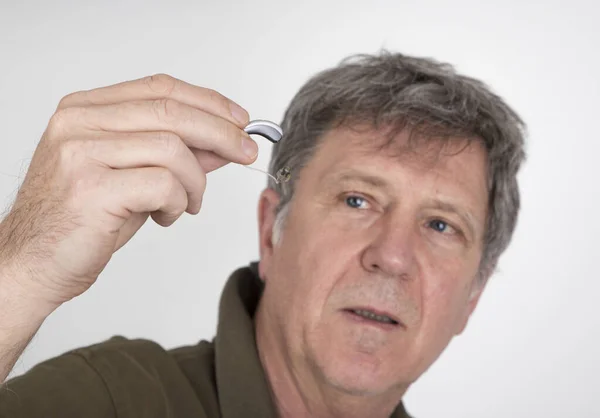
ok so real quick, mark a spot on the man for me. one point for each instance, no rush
(402, 197)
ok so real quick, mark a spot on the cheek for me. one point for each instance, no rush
(297, 276)
(319, 243)
(448, 278)
(446, 302)
(310, 262)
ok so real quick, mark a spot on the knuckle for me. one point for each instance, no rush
(66, 101)
(167, 182)
(170, 143)
(166, 109)
(82, 187)
(172, 195)
(163, 84)
(182, 203)
(71, 151)
(180, 199)
(67, 151)
(229, 135)
(62, 120)
(217, 99)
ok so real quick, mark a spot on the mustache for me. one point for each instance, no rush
(381, 293)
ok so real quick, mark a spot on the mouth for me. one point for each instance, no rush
(373, 316)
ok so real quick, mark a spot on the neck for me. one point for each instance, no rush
(297, 387)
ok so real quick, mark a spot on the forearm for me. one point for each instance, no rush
(20, 319)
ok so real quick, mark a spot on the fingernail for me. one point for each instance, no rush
(239, 114)
(249, 147)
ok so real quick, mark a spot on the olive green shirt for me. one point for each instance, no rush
(123, 378)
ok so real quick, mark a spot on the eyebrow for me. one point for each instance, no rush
(347, 176)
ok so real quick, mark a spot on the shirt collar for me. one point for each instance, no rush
(241, 382)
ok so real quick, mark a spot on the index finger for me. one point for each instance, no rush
(161, 86)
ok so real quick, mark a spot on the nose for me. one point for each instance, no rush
(392, 251)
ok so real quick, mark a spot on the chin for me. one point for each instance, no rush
(354, 371)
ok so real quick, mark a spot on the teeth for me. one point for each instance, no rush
(372, 316)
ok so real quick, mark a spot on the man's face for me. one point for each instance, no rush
(374, 231)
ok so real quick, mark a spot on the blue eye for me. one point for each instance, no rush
(438, 225)
(355, 201)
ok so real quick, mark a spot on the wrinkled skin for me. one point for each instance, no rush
(392, 230)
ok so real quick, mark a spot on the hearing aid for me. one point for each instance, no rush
(273, 133)
(266, 129)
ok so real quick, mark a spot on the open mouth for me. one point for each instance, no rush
(372, 316)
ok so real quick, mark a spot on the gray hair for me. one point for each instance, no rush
(424, 96)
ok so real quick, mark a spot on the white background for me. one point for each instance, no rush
(532, 347)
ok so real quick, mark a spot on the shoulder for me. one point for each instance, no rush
(101, 380)
(120, 357)
(118, 346)
(140, 374)
(141, 352)
(121, 361)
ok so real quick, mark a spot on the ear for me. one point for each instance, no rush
(269, 199)
(476, 291)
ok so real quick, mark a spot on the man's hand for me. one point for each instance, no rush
(109, 158)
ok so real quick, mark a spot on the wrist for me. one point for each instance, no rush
(20, 319)
(18, 305)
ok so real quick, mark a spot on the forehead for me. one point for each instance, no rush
(345, 143)
(455, 166)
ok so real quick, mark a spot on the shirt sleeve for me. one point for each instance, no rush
(65, 386)
(117, 378)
